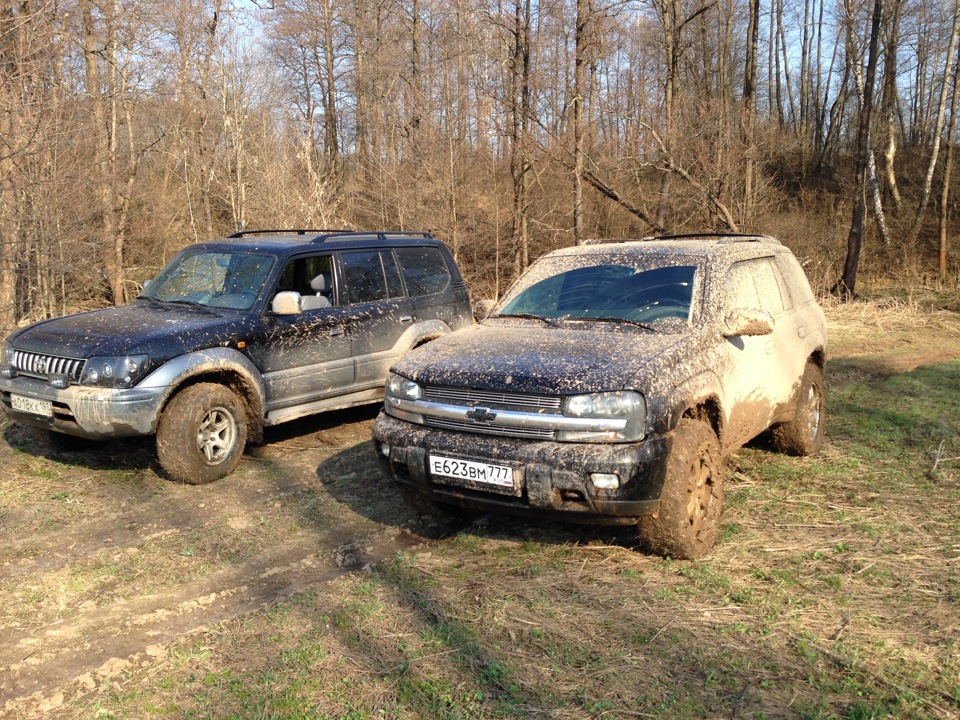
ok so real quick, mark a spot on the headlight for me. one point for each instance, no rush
(397, 391)
(402, 389)
(6, 360)
(625, 405)
(114, 372)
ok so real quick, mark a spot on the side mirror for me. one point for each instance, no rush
(748, 322)
(483, 308)
(286, 303)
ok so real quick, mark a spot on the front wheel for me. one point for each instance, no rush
(803, 435)
(202, 433)
(688, 520)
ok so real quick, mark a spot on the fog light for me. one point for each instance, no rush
(605, 481)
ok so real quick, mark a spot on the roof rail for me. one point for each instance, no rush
(722, 238)
(372, 234)
(245, 233)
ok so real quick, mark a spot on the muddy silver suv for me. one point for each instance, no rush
(609, 384)
(233, 335)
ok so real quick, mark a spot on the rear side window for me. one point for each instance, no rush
(424, 270)
(370, 276)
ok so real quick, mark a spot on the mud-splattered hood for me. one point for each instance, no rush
(542, 360)
(138, 328)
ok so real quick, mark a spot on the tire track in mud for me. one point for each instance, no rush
(41, 668)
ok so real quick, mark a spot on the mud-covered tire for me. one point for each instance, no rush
(803, 435)
(688, 520)
(202, 433)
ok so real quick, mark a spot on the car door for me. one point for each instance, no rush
(307, 356)
(756, 375)
(378, 311)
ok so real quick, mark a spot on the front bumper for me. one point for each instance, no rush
(94, 413)
(554, 478)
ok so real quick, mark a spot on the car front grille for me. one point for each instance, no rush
(502, 431)
(540, 407)
(470, 397)
(44, 366)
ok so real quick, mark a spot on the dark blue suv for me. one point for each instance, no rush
(234, 335)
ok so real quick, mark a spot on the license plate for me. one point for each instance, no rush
(499, 476)
(32, 405)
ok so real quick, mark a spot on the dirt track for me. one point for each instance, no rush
(106, 563)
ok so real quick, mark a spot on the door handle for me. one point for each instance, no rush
(336, 331)
(406, 318)
(801, 331)
(768, 347)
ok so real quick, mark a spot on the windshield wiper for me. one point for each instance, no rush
(153, 301)
(193, 304)
(616, 320)
(528, 316)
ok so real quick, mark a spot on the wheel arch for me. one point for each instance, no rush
(819, 358)
(224, 366)
(698, 398)
(707, 410)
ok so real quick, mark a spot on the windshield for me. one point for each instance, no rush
(620, 291)
(212, 279)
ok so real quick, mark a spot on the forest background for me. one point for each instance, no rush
(130, 128)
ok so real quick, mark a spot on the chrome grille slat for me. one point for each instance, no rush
(488, 398)
(28, 363)
(517, 432)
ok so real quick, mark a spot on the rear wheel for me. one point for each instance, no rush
(804, 434)
(688, 520)
(202, 433)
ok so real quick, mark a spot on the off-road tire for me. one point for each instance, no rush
(688, 520)
(202, 433)
(803, 435)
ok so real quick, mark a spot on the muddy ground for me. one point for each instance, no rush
(106, 564)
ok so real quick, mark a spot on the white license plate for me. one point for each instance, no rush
(32, 405)
(498, 475)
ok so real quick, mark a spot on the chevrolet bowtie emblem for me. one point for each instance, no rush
(481, 415)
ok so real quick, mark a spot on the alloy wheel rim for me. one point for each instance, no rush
(216, 435)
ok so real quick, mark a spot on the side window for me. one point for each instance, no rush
(312, 277)
(390, 269)
(365, 277)
(741, 290)
(424, 270)
(768, 288)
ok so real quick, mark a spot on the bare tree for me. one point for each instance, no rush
(846, 285)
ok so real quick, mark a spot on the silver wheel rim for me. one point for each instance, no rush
(216, 435)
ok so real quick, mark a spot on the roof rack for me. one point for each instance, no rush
(245, 233)
(721, 238)
(372, 234)
(319, 236)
